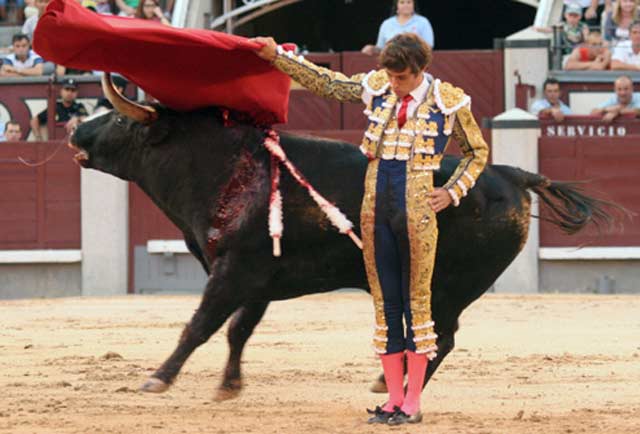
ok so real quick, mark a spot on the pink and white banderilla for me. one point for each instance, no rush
(276, 227)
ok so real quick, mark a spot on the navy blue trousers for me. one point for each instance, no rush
(393, 254)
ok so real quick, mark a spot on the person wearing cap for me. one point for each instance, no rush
(23, 62)
(68, 110)
(574, 31)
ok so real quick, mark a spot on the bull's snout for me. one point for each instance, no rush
(82, 156)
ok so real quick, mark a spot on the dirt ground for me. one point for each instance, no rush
(523, 364)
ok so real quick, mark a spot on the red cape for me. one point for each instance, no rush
(183, 69)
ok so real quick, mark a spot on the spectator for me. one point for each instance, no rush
(574, 31)
(551, 105)
(30, 25)
(618, 21)
(103, 103)
(103, 7)
(150, 10)
(593, 56)
(127, 7)
(626, 55)
(17, 4)
(591, 9)
(30, 9)
(623, 102)
(68, 110)
(23, 61)
(12, 132)
(404, 18)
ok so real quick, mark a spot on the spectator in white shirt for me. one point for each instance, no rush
(29, 26)
(551, 104)
(626, 55)
(23, 61)
(617, 21)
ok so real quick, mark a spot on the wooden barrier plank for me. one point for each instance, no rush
(611, 165)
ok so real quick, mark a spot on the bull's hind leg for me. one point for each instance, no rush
(241, 328)
(445, 345)
(219, 301)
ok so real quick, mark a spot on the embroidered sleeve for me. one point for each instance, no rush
(319, 80)
(475, 152)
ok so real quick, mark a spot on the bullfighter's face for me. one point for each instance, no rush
(404, 82)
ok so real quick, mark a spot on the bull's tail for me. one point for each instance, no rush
(568, 207)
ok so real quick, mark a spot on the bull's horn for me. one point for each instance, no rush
(138, 112)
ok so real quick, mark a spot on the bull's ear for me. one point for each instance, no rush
(154, 134)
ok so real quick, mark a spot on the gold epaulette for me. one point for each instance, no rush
(449, 98)
(376, 83)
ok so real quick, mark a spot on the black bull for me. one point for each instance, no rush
(213, 182)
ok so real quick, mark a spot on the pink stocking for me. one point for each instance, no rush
(416, 369)
(393, 367)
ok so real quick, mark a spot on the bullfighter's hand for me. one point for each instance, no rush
(439, 199)
(268, 51)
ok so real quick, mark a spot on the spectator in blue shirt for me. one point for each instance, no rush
(23, 62)
(12, 132)
(623, 102)
(404, 19)
(551, 105)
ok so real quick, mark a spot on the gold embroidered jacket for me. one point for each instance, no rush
(425, 135)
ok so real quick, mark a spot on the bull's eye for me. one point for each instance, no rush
(120, 120)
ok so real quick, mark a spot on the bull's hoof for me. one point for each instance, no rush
(229, 390)
(379, 386)
(154, 385)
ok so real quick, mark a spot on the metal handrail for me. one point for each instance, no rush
(259, 8)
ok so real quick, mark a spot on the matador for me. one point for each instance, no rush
(412, 117)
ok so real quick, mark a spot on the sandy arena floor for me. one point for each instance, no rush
(534, 364)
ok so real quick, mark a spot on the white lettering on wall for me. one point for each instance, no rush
(585, 131)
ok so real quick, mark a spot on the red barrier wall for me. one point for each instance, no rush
(610, 164)
(39, 206)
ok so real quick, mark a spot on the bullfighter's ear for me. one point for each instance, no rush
(155, 133)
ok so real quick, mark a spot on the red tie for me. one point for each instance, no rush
(402, 114)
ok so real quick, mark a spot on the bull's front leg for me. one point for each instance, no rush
(220, 300)
(241, 328)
